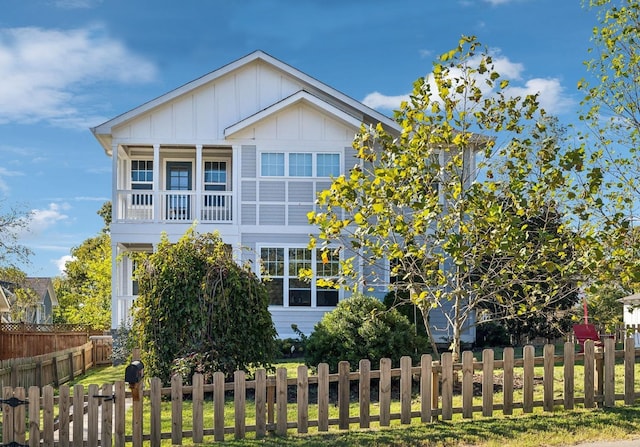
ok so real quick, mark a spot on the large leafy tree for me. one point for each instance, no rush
(24, 300)
(612, 119)
(415, 201)
(84, 291)
(196, 304)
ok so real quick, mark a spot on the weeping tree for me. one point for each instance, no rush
(415, 203)
(199, 311)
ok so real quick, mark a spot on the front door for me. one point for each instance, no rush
(179, 179)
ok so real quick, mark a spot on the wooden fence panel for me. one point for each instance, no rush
(66, 424)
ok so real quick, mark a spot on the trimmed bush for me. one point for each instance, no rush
(362, 327)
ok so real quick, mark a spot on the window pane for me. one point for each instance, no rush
(327, 265)
(299, 297)
(299, 258)
(275, 289)
(327, 297)
(300, 165)
(273, 261)
(328, 165)
(272, 164)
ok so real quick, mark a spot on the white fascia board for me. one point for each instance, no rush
(298, 97)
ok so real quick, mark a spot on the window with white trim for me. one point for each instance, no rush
(215, 179)
(299, 164)
(142, 178)
(281, 269)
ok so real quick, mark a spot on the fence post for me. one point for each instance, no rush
(599, 374)
(447, 386)
(323, 397)
(176, 409)
(281, 401)
(629, 371)
(528, 354)
(92, 416)
(19, 414)
(239, 400)
(107, 415)
(47, 400)
(405, 389)
(569, 373)
(589, 374)
(303, 399)
(261, 408)
(426, 376)
(156, 411)
(467, 384)
(549, 359)
(34, 417)
(218, 406)
(609, 372)
(487, 382)
(78, 413)
(344, 395)
(120, 412)
(384, 391)
(198, 407)
(508, 358)
(364, 395)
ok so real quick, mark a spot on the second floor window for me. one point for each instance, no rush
(299, 164)
(142, 178)
(215, 179)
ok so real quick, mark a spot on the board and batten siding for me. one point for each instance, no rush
(204, 113)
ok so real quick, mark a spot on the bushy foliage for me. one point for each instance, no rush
(198, 309)
(361, 328)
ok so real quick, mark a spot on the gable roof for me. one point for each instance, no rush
(42, 286)
(311, 85)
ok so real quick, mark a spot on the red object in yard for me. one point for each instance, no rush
(584, 332)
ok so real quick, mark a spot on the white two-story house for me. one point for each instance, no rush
(242, 151)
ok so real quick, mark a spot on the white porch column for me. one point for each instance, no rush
(156, 184)
(115, 275)
(236, 158)
(115, 202)
(198, 182)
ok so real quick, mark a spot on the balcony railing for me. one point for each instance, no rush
(173, 206)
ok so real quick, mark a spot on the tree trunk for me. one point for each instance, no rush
(425, 318)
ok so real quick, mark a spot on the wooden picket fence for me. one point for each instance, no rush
(113, 415)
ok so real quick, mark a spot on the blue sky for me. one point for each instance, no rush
(68, 65)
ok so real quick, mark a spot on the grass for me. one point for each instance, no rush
(538, 429)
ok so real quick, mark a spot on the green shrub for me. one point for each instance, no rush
(362, 328)
(492, 334)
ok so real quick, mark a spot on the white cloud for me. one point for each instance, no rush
(61, 262)
(76, 4)
(45, 72)
(40, 220)
(377, 100)
(550, 90)
(498, 2)
(4, 172)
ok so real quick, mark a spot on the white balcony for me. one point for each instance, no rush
(173, 206)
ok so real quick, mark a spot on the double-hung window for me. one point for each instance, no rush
(142, 179)
(215, 179)
(281, 267)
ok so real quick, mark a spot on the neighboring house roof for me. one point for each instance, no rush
(631, 299)
(313, 91)
(42, 286)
